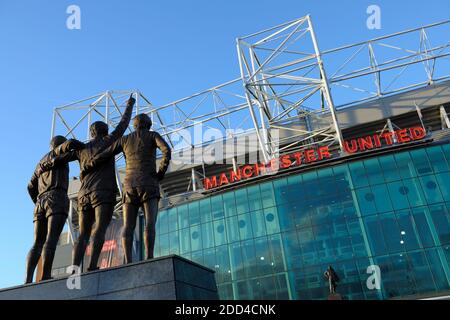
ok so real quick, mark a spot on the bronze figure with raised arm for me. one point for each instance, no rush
(98, 191)
(141, 183)
(48, 190)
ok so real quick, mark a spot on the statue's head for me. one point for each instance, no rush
(142, 122)
(57, 141)
(98, 129)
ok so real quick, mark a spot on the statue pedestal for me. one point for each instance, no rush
(165, 278)
(335, 296)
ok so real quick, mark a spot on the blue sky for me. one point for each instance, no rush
(166, 49)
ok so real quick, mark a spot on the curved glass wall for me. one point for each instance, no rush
(275, 239)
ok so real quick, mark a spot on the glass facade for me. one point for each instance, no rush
(275, 239)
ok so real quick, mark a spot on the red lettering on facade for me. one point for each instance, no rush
(351, 149)
(417, 133)
(324, 152)
(209, 183)
(247, 171)
(235, 176)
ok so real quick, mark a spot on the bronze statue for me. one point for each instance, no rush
(48, 190)
(97, 194)
(141, 184)
(332, 278)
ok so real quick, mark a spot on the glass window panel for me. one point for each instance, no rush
(437, 159)
(267, 195)
(262, 251)
(196, 238)
(389, 277)
(163, 222)
(258, 223)
(237, 264)
(209, 258)
(271, 220)
(405, 165)
(281, 284)
(422, 273)
(382, 199)
(437, 268)
(222, 267)
(310, 184)
(391, 232)
(373, 171)
(342, 178)
(232, 227)
(241, 201)
(402, 274)
(421, 163)
(286, 217)
(276, 254)
(281, 187)
(185, 241)
(360, 248)
(254, 198)
(197, 256)
(174, 243)
(409, 234)
(424, 224)
(446, 150)
(375, 235)
(207, 234)
(164, 244)
(172, 219)
(249, 258)
(194, 213)
(441, 220)
(399, 195)
(443, 180)
(217, 207)
(229, 204)
(414, 192)
(307, 246)
(220, 233)
(389, 166)
(300, 214)
(205, 210)
(268, 290)
(245, 226)
(183, 216)
(292, 250)
(358, 174)
(430, 189)
(319, 211)
(366, 201)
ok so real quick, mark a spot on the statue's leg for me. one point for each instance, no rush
(85, 220)
(40, 233)
(151, 213)
(130, 213)
(103, 215)
(55, 226)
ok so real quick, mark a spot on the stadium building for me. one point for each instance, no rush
(310, 158)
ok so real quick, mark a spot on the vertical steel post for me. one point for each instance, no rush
(325, 85)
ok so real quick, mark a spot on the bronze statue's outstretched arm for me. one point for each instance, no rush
(61, 155)
(124, 122)
(103, 156)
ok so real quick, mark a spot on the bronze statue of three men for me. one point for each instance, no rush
(97, 194)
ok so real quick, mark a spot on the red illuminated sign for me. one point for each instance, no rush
(309, 156)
